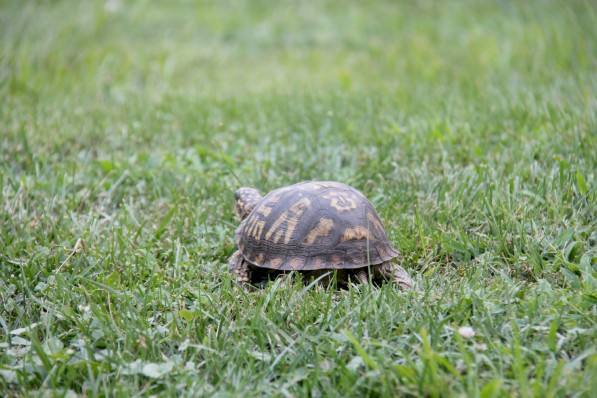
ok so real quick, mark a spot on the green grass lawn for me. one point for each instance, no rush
(126, 127)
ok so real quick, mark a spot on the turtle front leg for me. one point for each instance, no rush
(396, 274)
(239, 268)
(362, 276)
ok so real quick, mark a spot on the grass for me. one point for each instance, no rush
(125, 128)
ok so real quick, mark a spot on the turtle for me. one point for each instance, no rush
(312, 227)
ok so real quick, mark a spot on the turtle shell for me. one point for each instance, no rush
(314, 225)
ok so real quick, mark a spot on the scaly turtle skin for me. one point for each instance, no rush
(312, 227)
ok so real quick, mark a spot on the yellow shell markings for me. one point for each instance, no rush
(264, 210)
(259, 258)
(311, 186)
(341, 201)
(290, 217)
(255, 224)
(255, 227)
(291, 226)
(318, 262)
(327, 184)
(375, 221)
(257, 230)
(322, 184)
(251, 224)
(336, 261)
(275, 262)
(278, 236)
(322, 229)
(274, 196)
(360, 257)
(383, 253)
(297, 263)
(357, 233)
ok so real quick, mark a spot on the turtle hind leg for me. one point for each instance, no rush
(394, 273)
(239, 269)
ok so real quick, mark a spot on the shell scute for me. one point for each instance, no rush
(314, 225)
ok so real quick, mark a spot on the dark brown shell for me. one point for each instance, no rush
(314, 225)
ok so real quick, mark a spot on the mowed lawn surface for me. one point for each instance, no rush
(126, 127)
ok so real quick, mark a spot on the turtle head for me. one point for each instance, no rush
(246, 200)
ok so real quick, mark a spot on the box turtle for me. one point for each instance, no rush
(312, 227)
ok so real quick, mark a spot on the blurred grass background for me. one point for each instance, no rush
(471, 125)
(195, 71)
